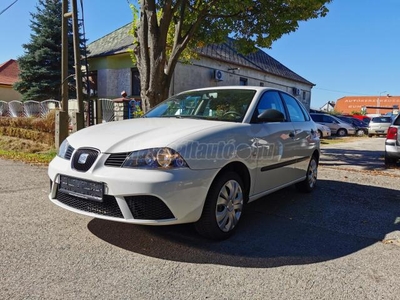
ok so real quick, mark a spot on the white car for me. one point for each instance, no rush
(323, 131)
(198, 157)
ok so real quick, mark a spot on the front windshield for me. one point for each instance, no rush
(223, 105)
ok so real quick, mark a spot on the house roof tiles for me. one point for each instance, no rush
(119, 41)
(9, 72)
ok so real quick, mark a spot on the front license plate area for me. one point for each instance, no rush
(85, 189)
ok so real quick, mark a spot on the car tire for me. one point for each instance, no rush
(369, 135)
(223, 207)
(390, 161)
(360, 132)
(319, 134)
(341, 132)
(308, 184)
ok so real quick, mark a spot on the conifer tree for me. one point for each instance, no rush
(40, 65)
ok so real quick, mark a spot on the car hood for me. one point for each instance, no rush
(143, 133)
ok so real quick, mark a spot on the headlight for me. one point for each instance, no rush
(65, 150)
(165, 158)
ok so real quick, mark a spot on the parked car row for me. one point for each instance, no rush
(342, 125)
(360, 126)
(336, 125)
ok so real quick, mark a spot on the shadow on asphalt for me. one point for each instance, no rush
(285, 228)
(364, 159)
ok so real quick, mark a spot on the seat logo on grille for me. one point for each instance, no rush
(83, 158)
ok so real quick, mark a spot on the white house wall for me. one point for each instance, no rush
(201, 74)
(111, 82)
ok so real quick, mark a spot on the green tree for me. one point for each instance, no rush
(40, 65)
(164, 29)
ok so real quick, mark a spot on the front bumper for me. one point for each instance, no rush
(138, 196)
(326, 133)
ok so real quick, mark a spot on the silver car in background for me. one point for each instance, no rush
(323, 131)
(337, 126)
(379, 125)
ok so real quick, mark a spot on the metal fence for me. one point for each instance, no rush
(30, 108)
(40, 109)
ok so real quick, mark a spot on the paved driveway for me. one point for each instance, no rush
(341, 242)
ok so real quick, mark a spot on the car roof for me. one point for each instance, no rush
(234, 87)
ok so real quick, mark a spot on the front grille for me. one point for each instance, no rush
(148, 208)
(83, 159)
(69, 152)
(116, 159)
(109, 207)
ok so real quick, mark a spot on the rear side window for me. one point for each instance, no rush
(296, 113)
(316, 118)
(382, 120)
(327, 119)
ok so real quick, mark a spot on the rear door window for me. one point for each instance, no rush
(296, 113)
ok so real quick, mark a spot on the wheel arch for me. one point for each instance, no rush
(317, 155)
(344, 129)
(241, 169)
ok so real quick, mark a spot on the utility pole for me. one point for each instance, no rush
(62, 117)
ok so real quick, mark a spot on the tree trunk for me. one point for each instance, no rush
(151, 56)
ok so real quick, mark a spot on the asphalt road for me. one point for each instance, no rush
(340, 242)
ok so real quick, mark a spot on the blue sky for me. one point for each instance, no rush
(353, 51)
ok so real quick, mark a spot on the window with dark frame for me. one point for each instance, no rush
(243, 81)
(135, 82)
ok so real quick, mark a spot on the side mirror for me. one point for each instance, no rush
(271, 115)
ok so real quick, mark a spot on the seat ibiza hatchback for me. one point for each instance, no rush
(198, 157)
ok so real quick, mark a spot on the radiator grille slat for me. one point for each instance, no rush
(109, 206)
(116, 159)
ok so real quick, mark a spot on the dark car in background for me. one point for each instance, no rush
(360, 126)
(363, 118)
(392, 143)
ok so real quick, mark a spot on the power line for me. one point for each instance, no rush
(8, 7)
(341, 92)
